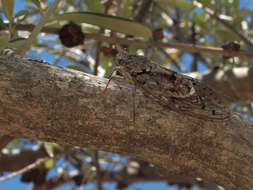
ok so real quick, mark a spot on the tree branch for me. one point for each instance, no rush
(98, 171)
(45, 102)
(181, 46)
(141, 9)
(245, 38)
(14, 162)
(25, 169)
(146, 44)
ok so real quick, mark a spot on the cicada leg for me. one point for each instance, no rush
(110, 78)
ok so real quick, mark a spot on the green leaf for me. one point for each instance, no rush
(199, 20)
(224, 34)
(205, 3)
(33, 5)
(75, 67)
(177, 3)
(36, 3)
(125, 9)
(16, 43)
(94, 5)
(114, 23)
(50, 148)
(49, 163)
(8, 6)
(235, 5)
(21, 15)
(13, 142)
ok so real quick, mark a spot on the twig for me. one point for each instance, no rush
(181, 46)
(213, 13)
(142, 10)
(98, 173)
(146, 44)
(178, 66)
(37, 29)
(107, 6)
(231, 28)
(98, 46)
(25, 169)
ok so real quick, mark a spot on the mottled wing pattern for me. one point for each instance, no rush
(173, 90)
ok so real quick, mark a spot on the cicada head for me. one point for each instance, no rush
(133, 64)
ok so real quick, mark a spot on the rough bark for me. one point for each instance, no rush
(45, 102)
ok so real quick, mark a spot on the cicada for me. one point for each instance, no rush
(172, 90)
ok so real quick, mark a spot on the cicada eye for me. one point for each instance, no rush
(119, 73)
(121, 62)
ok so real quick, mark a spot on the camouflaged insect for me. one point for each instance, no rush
(172, 90)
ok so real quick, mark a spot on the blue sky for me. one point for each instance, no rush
(15, 183)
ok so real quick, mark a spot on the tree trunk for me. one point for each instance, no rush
(49, 103)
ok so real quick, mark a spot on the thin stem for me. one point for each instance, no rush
(97, 58)
(22, 51)
(25, 169)
(98, 173)
(146, 44)
(231, 28)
